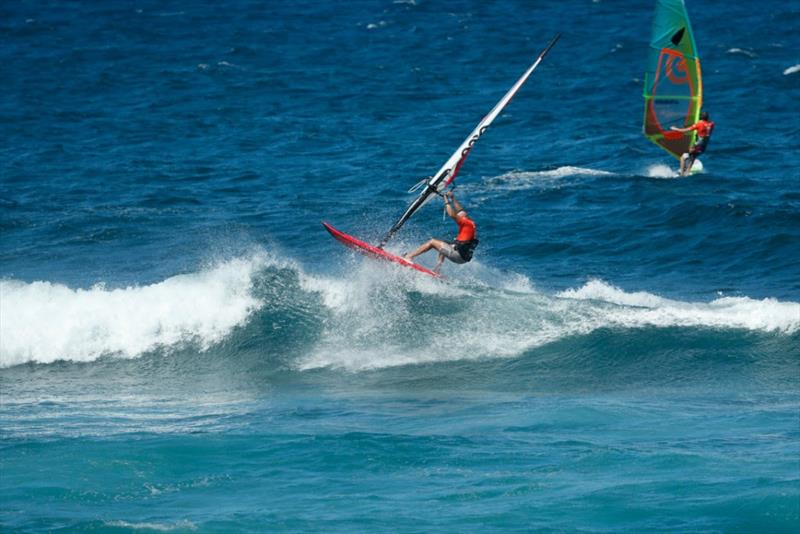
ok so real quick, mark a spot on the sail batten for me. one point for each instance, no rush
(673, 87)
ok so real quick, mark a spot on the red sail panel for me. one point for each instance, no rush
(673, 83)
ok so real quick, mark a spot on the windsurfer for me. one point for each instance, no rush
(459, 250)
(704, 127)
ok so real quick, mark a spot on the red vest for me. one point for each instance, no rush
(466, 229)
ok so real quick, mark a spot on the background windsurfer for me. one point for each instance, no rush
(704, 128)
(458, 251)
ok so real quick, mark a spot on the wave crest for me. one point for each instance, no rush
(373, 316)
(44, 322)
(639, 309)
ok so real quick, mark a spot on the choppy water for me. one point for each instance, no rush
(183, 347)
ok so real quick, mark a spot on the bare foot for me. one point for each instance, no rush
(408, 258)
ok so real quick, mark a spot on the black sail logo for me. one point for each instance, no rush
(472, 141)
(677, 36)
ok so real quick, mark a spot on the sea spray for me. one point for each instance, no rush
(378, 317)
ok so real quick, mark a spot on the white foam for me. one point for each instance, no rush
(645, 309)
(560, 172)
(662, 171)
(392, 333)
(381, 316)
(382, 327)
(791, 70)
(665, 171)
(517, 283)
(357, 292)
(742, 52)
(598, 290)
(159, 527)
(43, 322)
(229, 65)
(516, 180)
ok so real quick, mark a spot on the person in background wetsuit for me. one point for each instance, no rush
(704, 128)
(459, 250)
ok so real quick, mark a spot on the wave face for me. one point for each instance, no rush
(372, 317)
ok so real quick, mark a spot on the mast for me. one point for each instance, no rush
(447, 173)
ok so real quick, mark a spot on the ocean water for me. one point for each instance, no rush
(184, 348)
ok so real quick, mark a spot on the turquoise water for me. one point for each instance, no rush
(184, 348)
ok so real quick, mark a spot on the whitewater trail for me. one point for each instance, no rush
(537, 180)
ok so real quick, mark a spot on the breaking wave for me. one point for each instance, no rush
(374, 316)
(44, 322)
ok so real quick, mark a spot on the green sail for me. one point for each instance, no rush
(673, 85)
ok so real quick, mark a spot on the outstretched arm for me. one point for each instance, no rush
(683, 130)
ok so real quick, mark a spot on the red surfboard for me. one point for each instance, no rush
(374, 252)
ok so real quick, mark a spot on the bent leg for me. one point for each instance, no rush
(425, 247)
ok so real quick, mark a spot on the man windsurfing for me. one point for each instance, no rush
(704, 127)
(459, 250)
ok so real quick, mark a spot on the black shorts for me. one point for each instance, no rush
(699, 147)
(449, 251)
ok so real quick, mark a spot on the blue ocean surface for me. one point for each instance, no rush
(184, 348)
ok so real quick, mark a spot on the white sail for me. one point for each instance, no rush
(447, 173)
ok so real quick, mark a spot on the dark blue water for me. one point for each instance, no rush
(184, 348)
